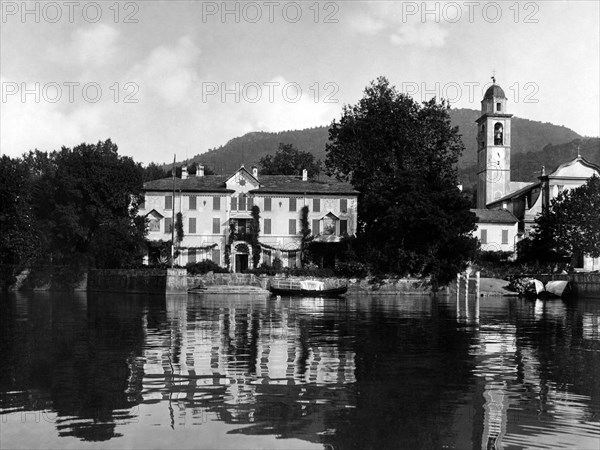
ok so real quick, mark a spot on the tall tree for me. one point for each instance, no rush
(288, 160)
(86, 201)
(571, 224)
(19, 238)
(305, 233)
(402, 156)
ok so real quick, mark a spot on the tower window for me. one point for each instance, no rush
(498, 134)
(498, 106)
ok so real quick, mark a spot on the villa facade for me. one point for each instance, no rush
(217, 214)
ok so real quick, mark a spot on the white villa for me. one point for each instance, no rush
(216, 211)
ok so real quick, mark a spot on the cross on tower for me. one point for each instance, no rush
(494, 76)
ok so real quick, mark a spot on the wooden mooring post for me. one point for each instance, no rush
(466, 276)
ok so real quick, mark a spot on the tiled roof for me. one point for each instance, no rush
(208, 183)
(494, 216)
(269, 184)
(273, 184)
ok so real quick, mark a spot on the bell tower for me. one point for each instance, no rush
(493, 147)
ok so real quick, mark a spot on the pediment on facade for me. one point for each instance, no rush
(242, 181)
(578, 168)
(154, 214)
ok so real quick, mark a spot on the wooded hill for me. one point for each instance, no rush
(533, 144)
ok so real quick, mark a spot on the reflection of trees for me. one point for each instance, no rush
(565, 358)
(78, 355)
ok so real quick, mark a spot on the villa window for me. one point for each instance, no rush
(343, 227)
(316, 205)
(267, 205)
(292, 204)
(316, 227)
(233, 203)
(267, 226)
(216, 203)
(168, 225)
(505, 236)
(343, 205)
(168, 202)
(499, 106)
(484, 236)
(192, 255)
(292, 226)
(292, 256)
(153, 224)
(216, 228)
(192, 225)
(242, 203)
(216, 256)
(266, 257)
(192, 202)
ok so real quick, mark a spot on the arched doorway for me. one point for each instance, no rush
(241, 257)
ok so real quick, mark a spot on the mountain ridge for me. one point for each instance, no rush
(539, 140)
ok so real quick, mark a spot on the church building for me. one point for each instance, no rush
(506, 209)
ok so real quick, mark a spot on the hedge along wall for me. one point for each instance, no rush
(155, 281)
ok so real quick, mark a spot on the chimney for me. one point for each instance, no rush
(255, 172)
(200, 171)
(184, 173)
(304, 174)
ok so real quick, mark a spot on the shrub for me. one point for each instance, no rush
(204, 266)
(351, 269)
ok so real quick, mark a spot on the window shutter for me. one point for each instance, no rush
(505, 236)
(242, 205)
(484, 236)
(343, 227)
(192, 255)
(216, 256)
(168, 202)
(192, 225)
(316, 229)
(216, 225)
(216, 203)
(192, 202)
(292, 226)
(267, 226)
(250, 203)
(343, 205)
(234, 203)
(267, 204)
(316, 205)
(292, 204)
(168, 224)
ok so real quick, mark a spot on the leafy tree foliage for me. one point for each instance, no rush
(288, 160)
(254, 232)
(570, 225)
(19, 238)
(305, 232)
(85, 201)
(154, 171)
(402, 157)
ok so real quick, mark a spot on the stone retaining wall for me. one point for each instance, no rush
(154, 281)
(584, 284)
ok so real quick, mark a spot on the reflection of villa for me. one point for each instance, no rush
(217, 217)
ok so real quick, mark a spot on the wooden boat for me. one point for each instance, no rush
(307, 288)
(555, 288)
(558, 288)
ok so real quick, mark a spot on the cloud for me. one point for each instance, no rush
(91, 45)
(429, 34)
(169, 72)
(391, 20)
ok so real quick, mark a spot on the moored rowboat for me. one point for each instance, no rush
(307, 288)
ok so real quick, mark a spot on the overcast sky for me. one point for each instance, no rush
(182, 77)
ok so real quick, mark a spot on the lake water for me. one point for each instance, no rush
(135, 371)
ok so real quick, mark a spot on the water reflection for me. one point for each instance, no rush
(242, 372)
